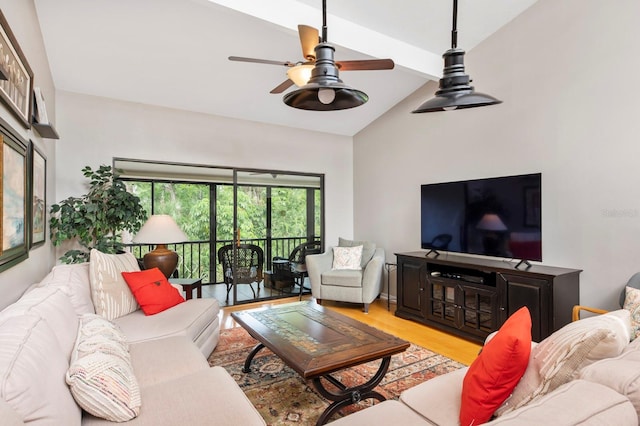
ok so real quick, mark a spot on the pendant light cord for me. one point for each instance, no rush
(454, 27)
(324, 21)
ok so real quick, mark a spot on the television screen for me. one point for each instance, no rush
(494, 217)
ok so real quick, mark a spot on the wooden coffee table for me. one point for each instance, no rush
(316, 342)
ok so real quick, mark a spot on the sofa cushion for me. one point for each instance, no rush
(632, 304)
(101, 376)
(621, 373)
(368, 249)
(207, 397)
(495, 372)
(33, 368)
(388, 412)
(342, 278)
(189, 319)
(575, 403)
(52, 304)
(152, 290)
(109, 291)
(157, 361)
(559, 358)
(347, 257)
(76, 278)
(437, 399)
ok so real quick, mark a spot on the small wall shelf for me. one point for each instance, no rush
(46, 130)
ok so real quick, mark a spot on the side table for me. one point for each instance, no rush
(188, 284)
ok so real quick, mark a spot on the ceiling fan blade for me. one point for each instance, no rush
(309, 39)
(282, 87)
(261, 61)
(366, 64)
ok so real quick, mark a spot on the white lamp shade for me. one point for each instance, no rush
(491, 222)
(160, 229)
(300, 74)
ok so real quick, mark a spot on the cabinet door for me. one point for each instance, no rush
(411, 284)
(441, 304)
(534, 294)
(479, 309)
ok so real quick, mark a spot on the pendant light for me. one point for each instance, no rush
(455, 91)
(325, 91)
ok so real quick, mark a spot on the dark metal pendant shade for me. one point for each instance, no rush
(455, 91)
(325, 91)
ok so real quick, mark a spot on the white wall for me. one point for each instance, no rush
(97, 129)
(566, 73)
(22, 19)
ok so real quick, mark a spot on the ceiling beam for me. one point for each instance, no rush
(290, 13)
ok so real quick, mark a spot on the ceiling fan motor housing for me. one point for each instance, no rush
(325, 70)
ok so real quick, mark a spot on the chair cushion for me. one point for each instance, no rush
(347, 257)
(101, 376)
(495, 372)
(342, 278)
(33, 369)
(111, 296)
(152, 290)
(368, 249)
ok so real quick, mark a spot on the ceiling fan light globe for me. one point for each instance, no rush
(300, 74)
(326, 96)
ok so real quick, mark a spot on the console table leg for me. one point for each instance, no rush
(247, 362)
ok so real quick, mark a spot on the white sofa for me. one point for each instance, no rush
(167, 352)
(604, 391)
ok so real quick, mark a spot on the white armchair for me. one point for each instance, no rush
(347, 285)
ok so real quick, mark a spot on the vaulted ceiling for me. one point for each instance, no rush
(173, 53)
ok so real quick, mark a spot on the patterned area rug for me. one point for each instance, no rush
(284, 398)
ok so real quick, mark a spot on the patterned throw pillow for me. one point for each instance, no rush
(559, 358)
(347, 257)
(110, 293)
(632, 304)
(368, 249)
(100, 376)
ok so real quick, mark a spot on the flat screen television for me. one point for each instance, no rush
(498, 216)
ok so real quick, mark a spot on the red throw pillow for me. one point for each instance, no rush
(496, 371)
(152, 290)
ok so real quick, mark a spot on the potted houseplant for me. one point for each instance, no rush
(96, 219)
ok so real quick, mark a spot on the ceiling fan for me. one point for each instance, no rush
(299, 72)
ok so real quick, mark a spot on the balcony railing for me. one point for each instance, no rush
(198, 260)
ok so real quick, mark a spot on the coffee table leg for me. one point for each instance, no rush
(247, 362)
(347, 396)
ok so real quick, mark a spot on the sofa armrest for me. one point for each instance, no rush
(372, 276)
(316, 265)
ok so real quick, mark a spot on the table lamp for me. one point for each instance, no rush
(494, 229)
(160, 230)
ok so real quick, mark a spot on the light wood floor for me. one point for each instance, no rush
(448, 345)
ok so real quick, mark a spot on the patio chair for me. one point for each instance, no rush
(294, 268)
(247, 269)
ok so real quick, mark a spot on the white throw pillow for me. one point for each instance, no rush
(347, 257)
(560, 357)
(112, 297)
(368, 249)
(101, 376)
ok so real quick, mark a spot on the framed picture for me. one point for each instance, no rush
(532, 206)
(38, 196)
(16, 85)
(13, 200)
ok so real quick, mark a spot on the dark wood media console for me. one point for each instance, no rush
(472, 297)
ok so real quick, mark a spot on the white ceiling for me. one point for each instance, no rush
(173, 53)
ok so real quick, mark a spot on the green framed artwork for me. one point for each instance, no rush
(15, 226)
(38, 196)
